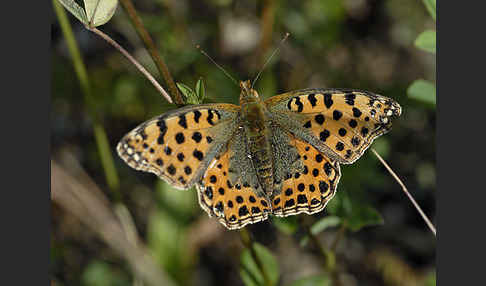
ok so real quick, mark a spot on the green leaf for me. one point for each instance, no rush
(324, 223)
(99, 12)
(249, 271)
(75, 9)
(287, 225)
(354, 213)
(426, 41)
(431, 7)
(422, 90)
(200, 90)
(316, 280)
(362, 216)
(98, 273)
(189, 94)
(321, 225)
(183, 203)
(431, 279)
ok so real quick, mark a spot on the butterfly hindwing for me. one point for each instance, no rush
(235, 205)
(343, 122)
(177, 146)
(309, 190)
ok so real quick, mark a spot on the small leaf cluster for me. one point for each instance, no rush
(424, 90)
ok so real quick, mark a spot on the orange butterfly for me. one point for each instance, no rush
(280, 156)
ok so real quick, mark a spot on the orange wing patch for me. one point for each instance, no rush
(346, 121)
(235, 206)
(310, 190)
(172, 146)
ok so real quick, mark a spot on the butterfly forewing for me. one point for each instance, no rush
(179, 145)
(343, 122)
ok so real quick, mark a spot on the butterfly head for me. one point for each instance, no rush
(248, 94)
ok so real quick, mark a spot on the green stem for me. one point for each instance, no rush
(248, 243)
(80, 70)
(149, 44)
(339, 235)
(327, 256)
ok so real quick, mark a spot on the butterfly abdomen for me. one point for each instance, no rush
(258, 137)
(260, 155)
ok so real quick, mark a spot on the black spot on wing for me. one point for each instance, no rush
(243, 211)
(210, 117)
(182, 121)
(300, 105)
(340, 146)
(350, 97)
(355, 141)
(301, 199)
(319, 118)
(197, 137)
(337, 114)
(167, 150)
(312, 99)
(179, 138)
(324, 135)
(198, 155)
(197, 115)
(209, 192)
(187, 170)
(163, 131)
(328, 100)
(289, 203)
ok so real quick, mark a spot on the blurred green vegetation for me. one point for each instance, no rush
(374, 234)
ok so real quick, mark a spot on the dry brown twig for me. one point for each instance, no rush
(405, 190)
(86, 202)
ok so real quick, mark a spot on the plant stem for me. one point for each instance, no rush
(132, 60)
(99, 132)
(328, 257)
(149, 44)
(267, 21)
(339, 235)
(248, 243)
(405, 190)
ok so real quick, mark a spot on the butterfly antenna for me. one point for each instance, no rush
(220, 67)
(270, 58)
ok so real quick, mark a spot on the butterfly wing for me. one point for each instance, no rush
(342, 123)
(235, 205)
(179, 145)
(310, 189)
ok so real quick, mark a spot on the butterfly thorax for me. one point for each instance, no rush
(254, 121)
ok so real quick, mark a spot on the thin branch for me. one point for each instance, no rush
(405, 190)
(132, 60)
(149, 44)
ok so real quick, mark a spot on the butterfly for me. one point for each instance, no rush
(278, 156)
